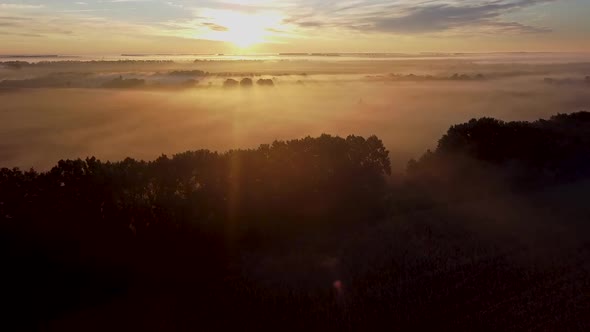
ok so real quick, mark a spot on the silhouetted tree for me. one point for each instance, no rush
(230, 83)
(265, 82)
(246, 82)
(538, 153)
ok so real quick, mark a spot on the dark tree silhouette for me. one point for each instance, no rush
(531, 153)
(110, 222)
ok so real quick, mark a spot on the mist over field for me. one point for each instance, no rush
(142, 109)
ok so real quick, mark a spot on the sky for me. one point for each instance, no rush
(264, 26)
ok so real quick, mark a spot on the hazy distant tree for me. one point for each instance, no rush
(192, 73)
(122, 83)
(190, 83)
(230, 83)
(16, 65)
(265, 82)
(246, 82)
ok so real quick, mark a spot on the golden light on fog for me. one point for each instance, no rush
(241, 29)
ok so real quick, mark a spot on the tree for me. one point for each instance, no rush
(265, 82)
(230, 83)
(246, 82)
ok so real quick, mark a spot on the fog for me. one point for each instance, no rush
(408, 104)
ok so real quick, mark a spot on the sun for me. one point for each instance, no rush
(245, 33)
(241, 29)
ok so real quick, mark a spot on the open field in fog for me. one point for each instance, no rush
(408, 104)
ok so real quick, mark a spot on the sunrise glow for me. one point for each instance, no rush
(225, 26)
(240, 29)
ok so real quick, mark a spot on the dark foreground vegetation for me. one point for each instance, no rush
(486, 232)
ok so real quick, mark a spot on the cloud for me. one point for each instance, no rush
(13, 18)
(19, 6)
(420, 17)
(215, 27)
(440, 17)
(20, 34)
(368, 16)
(308, 23)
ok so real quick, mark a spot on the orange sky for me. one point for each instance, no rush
(264, 26)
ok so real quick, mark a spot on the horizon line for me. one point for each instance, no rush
(284, 53)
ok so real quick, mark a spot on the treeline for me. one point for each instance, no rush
(247, 82)
(88, 231)
(287, 184)
(92, 227)
(486, 152)
(454, 77)
(173, 79)
(25, 64)
(567, 81)
(295, 181)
